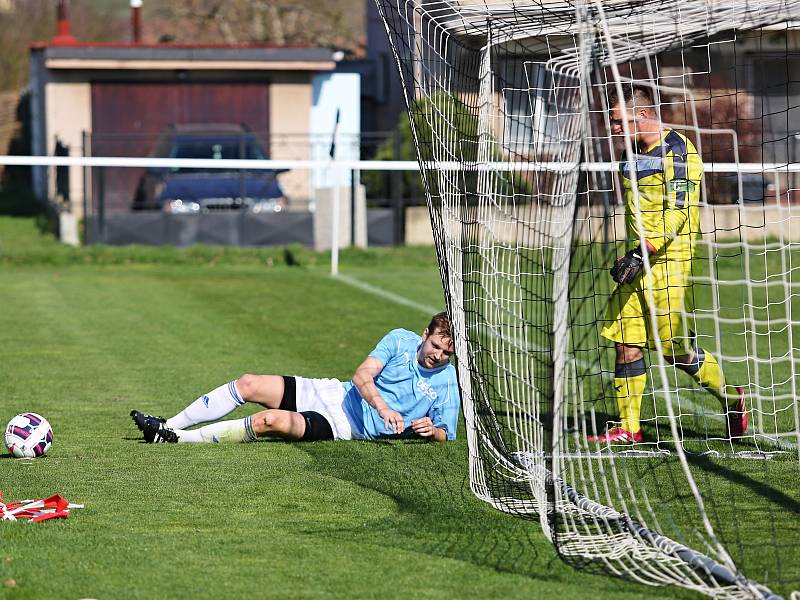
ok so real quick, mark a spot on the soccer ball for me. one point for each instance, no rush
(28, 435)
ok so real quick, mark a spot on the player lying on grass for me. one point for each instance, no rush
(405, 386)
(667, 174)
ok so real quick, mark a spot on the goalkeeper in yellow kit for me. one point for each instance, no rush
(667, 170)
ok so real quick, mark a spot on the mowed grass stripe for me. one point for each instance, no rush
(172, 335)
(84, 344)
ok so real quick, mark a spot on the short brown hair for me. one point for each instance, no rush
(641, 96)
(440, 323)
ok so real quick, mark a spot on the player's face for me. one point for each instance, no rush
(619, 115)
(641, 122)
(435, 350)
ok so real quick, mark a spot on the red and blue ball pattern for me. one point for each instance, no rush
(28, 435)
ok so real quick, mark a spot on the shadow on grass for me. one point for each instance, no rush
(9, 457)
(760, 488)
(439, 514)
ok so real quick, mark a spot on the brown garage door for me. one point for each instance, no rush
(127, 119)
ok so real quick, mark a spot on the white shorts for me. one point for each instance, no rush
(326, 397)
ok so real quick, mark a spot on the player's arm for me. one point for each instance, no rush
(683, 179)
(364, 380)
(628, 267)
(674, 219)
(442, 419)
(683, 173)
(425, 428)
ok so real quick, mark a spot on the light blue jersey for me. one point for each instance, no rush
(407, 387)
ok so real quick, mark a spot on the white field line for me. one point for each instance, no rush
(387, 295)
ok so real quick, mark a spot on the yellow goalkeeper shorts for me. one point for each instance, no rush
(628, 320)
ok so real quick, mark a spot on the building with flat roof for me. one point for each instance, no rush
(114, 100)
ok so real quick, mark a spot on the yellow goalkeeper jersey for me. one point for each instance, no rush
(668, 177)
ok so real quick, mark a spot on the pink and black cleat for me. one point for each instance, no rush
(617, 435)
(736, 417)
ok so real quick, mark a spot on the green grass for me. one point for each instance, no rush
(89, 333)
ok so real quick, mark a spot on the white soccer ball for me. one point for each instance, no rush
(28, 435)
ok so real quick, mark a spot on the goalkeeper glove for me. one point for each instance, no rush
(627, 268)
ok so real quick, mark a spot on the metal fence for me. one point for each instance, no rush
(109, 197)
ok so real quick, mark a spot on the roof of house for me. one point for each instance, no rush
(181, 56)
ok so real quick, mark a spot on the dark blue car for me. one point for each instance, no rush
(182, 190)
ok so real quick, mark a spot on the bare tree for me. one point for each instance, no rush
(334, 23)
(92, 20)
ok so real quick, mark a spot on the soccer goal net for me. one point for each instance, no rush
(649, 425)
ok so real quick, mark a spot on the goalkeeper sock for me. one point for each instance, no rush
(630, 380)
(705, 370)
(214, 405)
(239, 430)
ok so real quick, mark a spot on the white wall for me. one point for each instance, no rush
(68, 107)
(290, 100)
(718, 222)
(332, 92)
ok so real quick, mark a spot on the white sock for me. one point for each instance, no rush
(214, 405)
(239, 430)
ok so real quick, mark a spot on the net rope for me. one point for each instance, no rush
(516, 95)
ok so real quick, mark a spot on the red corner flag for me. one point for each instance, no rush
(52, 507)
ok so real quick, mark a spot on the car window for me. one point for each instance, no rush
(217, 149)
(214, 148)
